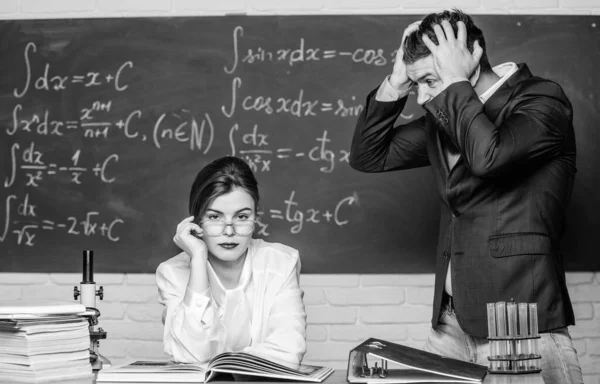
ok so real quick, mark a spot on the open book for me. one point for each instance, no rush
(380, 361)
(235, 363)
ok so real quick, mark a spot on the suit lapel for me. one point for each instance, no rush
(499, 99)
(437, 148)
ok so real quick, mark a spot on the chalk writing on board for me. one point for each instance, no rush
(186, 130)
(301, 52)
(259, 156)
(297, 106)
(27, 223)
(31, 161)
(292, 213)
(56, 82)
(26, 226)
(31, 165)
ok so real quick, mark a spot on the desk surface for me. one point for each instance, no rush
(339, 377)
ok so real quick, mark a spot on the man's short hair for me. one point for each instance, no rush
(415, 49)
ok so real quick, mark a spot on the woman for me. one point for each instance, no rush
(227, 291)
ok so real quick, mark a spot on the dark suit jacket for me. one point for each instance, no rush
(503, 203)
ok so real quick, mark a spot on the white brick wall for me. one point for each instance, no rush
(342, 309)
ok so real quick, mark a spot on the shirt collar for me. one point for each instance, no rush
(219, 293)
(505, 71)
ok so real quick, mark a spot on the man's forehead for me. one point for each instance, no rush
(421, 68)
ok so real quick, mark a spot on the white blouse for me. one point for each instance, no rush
(263, 315)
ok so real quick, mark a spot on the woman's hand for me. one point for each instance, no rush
(189, 238)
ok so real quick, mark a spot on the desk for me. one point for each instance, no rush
(339, 377)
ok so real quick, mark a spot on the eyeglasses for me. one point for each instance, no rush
(217, 227)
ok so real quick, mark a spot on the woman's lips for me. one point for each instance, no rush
(228, 245)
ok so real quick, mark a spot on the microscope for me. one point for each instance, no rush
(87, 294)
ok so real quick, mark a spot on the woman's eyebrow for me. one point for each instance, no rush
(238, 211)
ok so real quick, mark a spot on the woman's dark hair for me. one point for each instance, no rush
(218, 178)
(415, 49)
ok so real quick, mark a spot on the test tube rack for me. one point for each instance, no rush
(513, 338)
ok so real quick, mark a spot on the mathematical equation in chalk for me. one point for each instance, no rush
(49, 81)
(22, 222)
(259, 156)
(31, 162)
(27, 223)
(179, 127)
(43, 150)
(292, 212)
(297, 106)
(301, 52)
(253, 147)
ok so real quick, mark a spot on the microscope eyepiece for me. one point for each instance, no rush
(88, 266)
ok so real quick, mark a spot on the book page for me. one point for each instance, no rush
(158, 366)
(158, 371)
(258, 362)
(246, 364)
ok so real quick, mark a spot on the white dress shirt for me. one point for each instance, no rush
(387, 93)
(263, 315)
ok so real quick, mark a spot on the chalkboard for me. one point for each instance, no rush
(105, 123)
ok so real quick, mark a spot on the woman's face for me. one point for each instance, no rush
(229, 242)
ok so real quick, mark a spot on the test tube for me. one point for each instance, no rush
(522, 345)
(511, 311)
(501, 329)
(491, 318)
(533, 331)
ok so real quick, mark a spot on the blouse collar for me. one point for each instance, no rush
(219, 292)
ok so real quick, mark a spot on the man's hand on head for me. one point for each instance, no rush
(399, 79)
(451, 57)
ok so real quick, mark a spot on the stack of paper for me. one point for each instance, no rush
(43, 342)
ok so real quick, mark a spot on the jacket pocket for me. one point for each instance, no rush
(519, 244)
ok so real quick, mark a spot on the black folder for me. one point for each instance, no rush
(380, 361)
